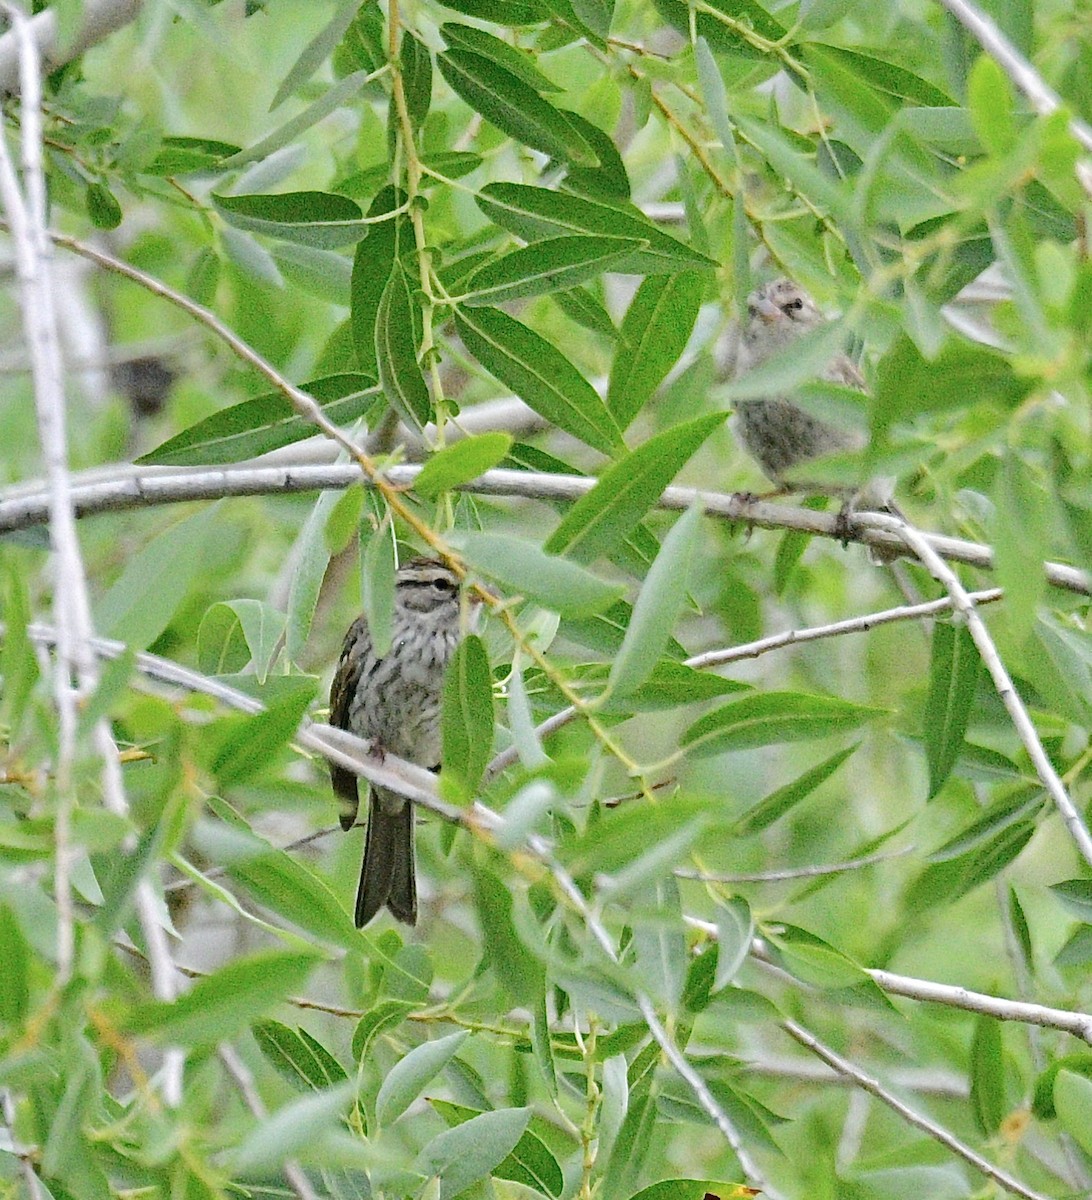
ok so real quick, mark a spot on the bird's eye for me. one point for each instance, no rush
(443, 587)
(794, 305)
(751, 310)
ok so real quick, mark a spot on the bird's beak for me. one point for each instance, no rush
(767, 310)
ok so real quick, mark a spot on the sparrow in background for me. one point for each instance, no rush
(395, 701)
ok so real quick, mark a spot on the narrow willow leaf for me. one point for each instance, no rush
(312, 560)
(292, 1128)
(461, 462)
(377, 577)
(321, 219)
(339, 94)
(534, 212)
(658, 940)
(776, 804)
(322, 273)
(799, 169)
(156, 581)
(396, 322)
(990, 101)
(512, 961)
(579, 305)
(530, 1163)
(461, 1156)
(511, 104)
(264, 423)
(735, 932)
(772, 717)
(599, 521)
(221, 1005)
(378, 1020)
(315, 53)
(987, 1076)
(511, 58)
(540, 374)
(18, 661)
(908, 384)
(468, 717)
(406, 1079)
(416, 77)
(658, 605)
(376, 253)
(1073, 1103)
(549, 265)
(1021, 534)
(520, 566)
(1002, 814)
(815, 961)
(299, 1060)
(655, 330)
(237, 748)
(15, 977)
(953, 676)
(1076, 896)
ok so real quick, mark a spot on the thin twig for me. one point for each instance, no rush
(790, 873)
(1006, 689)
(844, 1067)
(239, 1071)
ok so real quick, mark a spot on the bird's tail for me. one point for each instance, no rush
(387, 876)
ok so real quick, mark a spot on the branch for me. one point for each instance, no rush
(1024, 76)
(1006, 689)
(99, 19)
(844, 1067)
(23, 506)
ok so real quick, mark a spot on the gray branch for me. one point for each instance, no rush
(100, 18)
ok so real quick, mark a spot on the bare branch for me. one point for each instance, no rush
(99, 19)
(1006, 689)
(847, 1069)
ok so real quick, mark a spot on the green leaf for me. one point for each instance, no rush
(156, 581)
(263, 423)
(579, 305)
(691, 1189)
(511, 58)
(517, 969)
(322, 273)
(378, 1020)
(468, 717)
(771, 717)
(1002, 814)
(223, 1004)
(533, 212)
(103, 207)
(962, 373)
(1021, 534)
(396, 322)
(416, 77)
(800, 170)
(655, 330)
(1073, 1102)
(987, 1076)
(659, 943)
(18, 660)
(378, 574)
(15, 977)
(540, 374)
(461, 462)
(530, 1163)
(113, 680)
(297, 1057)
(385, 243)
(598, 523)
(294, 1127)
(658, 605)
(520, 566)
(234, 633)
(953, 677)
(237, 748)
(315, 53)
(461, 1156)
(511, 104)
(1042, 1104)
(550, 265)
(406, 1079)
(343, 523)
(288, 888)
(813, 960)
(990, 100)
(309, 570)
(735, 933)
(1076, 896)
(322, 219)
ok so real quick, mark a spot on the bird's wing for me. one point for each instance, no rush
(342, 691)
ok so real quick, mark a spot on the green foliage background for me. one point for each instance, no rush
(415, 210)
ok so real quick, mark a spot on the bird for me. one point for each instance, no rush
(395, 701)
(778, 434)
